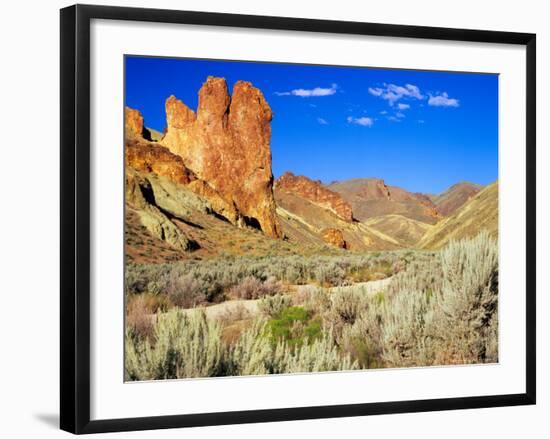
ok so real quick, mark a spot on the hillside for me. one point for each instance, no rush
(454, 197)
(405, 231)
(305, 222)
(479, 213)
(371, 197)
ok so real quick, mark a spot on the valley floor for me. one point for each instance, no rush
(285, 314)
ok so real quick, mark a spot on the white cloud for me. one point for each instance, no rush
(402, 106)
(393, 93)
(376, 91)
(322, 121)
(420, 120)
(399, 114)
(443, 100)
(363, 121)
(394, 119)
(306, 93)
(383, 112)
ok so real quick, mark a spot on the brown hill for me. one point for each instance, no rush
(406, 231)
(479, 213)
(306, 223)
(454, 197)
(371, 197)
(316, 193)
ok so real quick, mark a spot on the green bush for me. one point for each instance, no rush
(293, 325)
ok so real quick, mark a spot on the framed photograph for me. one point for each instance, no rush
(268, 219)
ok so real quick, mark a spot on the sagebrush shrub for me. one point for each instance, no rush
(250, 288)
(273, 305)
(220, 274)
(439, 308)
(184, 290)
(449, 316)
(184, 345)
(139, 316)
(467, 305)
(255, 355)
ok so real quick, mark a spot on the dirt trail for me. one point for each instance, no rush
(245, 307)
(371, 287)
(250, 307)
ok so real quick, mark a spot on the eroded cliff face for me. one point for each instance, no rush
(315, 192)
(226, 144)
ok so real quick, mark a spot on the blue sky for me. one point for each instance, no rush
(419, 130)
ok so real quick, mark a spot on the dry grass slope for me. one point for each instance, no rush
(455, 197)
(406, 231)
(479, 213)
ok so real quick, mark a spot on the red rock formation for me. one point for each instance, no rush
(147, 157)
(315, 192)
(334, 237)
(226, 144)
(178, 115)
(133, 123)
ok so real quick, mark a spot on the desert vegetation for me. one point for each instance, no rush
(286, 314)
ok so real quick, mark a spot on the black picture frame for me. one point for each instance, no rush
(75, 217)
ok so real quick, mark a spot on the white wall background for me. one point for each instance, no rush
(29, 248)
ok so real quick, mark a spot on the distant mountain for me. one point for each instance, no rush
(454, 197)
(478, 213)
(371, 197)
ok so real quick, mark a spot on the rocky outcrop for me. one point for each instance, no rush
(147, 157)
(141, 197)
(315, 192)
(226, 144)
(334, 237)
(133, 123)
